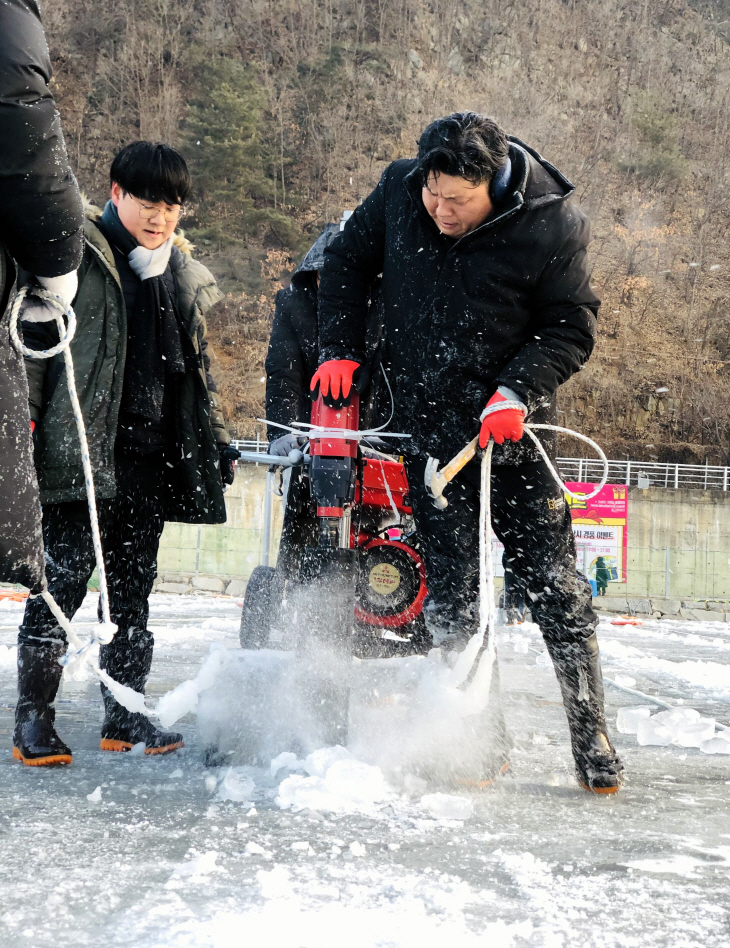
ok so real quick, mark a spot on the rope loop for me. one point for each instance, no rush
(66, 330)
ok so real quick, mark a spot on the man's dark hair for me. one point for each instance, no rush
(464, 145)
(151, 171)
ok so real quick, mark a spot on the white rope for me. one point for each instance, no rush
(511, 405)
(79, 653)
(482, 643)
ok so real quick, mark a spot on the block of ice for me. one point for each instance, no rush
(520, 645)
(627, 719)
(285, 761)
(716, 745)
(236, 786)
(318, 763)
(695, 734)
(676, 719)
(651, 731)
(356, 781)
(446, 806)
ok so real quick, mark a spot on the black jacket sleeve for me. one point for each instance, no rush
(352, 262)
(287, 381)
(40, 207)
(565, 321)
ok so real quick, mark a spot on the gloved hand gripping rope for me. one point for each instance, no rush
(79, 653)
(482, 643)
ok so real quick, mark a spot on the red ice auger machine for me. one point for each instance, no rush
(360, 589)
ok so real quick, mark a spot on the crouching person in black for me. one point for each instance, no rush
(487, 299)
(291, 361)
(157, 441)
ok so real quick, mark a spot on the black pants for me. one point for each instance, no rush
(130, 525)
(531, 518)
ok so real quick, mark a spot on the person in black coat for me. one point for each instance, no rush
(41, 221)
(291, 362)
(487, 301)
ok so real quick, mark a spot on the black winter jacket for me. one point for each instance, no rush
(41, 216)
(40, 228)
(292, 357)
(508, 304)
(293, 354)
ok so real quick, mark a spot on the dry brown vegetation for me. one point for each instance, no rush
(301, 103)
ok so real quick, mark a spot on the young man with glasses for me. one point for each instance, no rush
(157, 440)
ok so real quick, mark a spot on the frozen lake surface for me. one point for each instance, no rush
(167, 853)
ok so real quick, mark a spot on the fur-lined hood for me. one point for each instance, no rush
(93, 213)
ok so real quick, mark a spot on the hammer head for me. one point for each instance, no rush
(435, 483)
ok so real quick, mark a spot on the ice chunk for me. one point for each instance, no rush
(445, 806)
(211, 782)
(626, 681)
(319, 762)
(94, 796)
(520, 645)
(694, 735)
(627, 719)
(253, 849)
(543, 660)
(236, 786)
(357, 849)
(285, 761)
(356, 781)
(8, 655)
(676, 719)
(177, 703)
(651, 731)
(716, 745)
(274, 884)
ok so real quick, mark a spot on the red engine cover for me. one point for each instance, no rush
(376, 474)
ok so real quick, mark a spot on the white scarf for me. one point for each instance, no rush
(151, 263)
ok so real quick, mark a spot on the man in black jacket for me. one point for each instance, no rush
(40, 230)
(487, 300)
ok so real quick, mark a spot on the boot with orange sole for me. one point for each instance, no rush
(128, 659)
(35, 741)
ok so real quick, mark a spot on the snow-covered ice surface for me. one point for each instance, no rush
(132, 852)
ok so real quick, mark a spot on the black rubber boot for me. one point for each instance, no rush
(578, 668)
(127, 659)
(35, 741)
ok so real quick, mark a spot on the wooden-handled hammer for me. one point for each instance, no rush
(436, 480)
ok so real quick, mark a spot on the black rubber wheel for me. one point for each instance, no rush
(256, 614)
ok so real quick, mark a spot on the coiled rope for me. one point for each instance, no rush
(79, 653)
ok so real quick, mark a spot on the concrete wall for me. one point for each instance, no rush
(693, 525)
(230, 551)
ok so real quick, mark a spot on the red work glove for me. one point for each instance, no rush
(505, 425)
(335, 381)
(32, 426)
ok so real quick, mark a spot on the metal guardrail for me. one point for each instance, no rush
(632, 473)
(647, 474)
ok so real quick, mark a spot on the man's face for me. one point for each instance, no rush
(150, 233)
(456, 205)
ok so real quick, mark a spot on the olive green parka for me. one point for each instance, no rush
(99, 351)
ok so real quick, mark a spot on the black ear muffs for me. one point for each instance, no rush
(499, 185)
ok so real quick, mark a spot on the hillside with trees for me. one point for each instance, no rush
(288, 111)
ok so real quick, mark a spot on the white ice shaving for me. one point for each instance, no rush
(184, 699)
(337, 783)
(445, 806)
